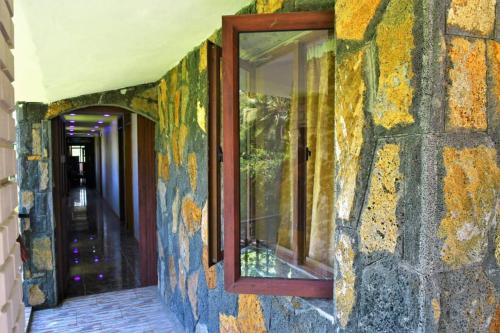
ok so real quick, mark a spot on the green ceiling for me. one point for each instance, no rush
(85, 124)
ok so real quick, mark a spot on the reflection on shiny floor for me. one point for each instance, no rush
(134, 310)
(102, 255)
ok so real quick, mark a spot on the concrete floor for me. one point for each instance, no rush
(134, 310)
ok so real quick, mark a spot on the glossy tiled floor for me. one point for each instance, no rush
(134, 310)
(102, 255)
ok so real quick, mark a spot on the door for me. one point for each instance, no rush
(147, 200)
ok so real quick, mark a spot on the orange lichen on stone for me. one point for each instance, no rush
(191, 214)
(146, 102)
(175, 211)
(201, 116)
(473, 16)
(173, 80)
(171, 273)
(193, 170)
(361, 12)
(345, 294)
(163, 166)
(268, 6)
(436, 309)
(192, 293)
(250, 317)
(494, 58)
(395, 44)
(184, 101)
(349, 124)
(179, 136)
(202, 65)
(467, 88)
(470, 186)
(210, 271)
(228, 324)
(379, 226)
(175, 146)
(57, 108)
(495, 322)
(162, 104)
(177, 104)
(183, 133)
(36, 295)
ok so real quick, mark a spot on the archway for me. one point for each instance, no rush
(71, 124)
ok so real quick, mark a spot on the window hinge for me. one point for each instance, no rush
(220, 155)
(308, 153)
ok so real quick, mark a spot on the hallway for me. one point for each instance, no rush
(102, 256)
(134, 310)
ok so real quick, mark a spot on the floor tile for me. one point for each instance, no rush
(137, 310)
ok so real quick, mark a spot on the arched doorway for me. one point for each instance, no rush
(103, 152)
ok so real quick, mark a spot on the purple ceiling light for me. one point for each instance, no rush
(106, 115)
(100, 122)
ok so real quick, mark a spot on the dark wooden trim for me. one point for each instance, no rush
(214, 137)
(300, 172)
(231, 27)
(147, 201)
(128, 172)
(58, 150)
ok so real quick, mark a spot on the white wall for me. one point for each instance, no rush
(135, 175)
(110, 170)
(11, 306)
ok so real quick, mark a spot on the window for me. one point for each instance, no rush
(78, 151)
(279, 154)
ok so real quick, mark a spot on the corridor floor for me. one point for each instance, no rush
(102, 255)
(134, 310)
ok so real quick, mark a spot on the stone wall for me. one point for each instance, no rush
(417, 120)
(35, 199)
(35, 178)
(417, 171)
(192, 289)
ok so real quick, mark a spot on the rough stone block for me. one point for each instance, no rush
(389, 298)
(467, 84)
(467, 301)
(361, 12)
(42, 253)
(345, 278)
(379, 230)
(395, 44)
(470, 185)
(349, 130)
(474, 17)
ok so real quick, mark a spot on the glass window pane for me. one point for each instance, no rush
(286, 110)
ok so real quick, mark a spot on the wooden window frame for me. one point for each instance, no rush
(231, 27)
(214, 54)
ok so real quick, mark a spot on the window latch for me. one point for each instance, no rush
(220, 155)
(308, 153)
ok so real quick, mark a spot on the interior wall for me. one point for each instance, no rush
(98, 164)
(135, 176)
(110, 166)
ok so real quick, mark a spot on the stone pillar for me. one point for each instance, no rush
(35, 199)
